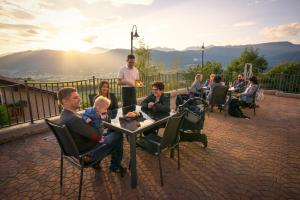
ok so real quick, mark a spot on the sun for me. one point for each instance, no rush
(69, 33)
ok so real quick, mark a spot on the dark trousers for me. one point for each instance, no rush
(129, 96)
(113, 144)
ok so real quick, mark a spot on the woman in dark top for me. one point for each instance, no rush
(157, 102)
(103, 90)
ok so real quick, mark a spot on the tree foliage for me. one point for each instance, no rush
(249, 55)
(286, 68)
(207, 69)
(143, 57)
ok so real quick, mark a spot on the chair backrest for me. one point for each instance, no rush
(64, 139)
(172, 130)
(218, 96)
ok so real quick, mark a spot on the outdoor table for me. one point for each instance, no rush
(133, 127)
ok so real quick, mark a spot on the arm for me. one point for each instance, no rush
(114, 102)
(251, 91)
(163, 105)
(124, 82)
(145, 102)
(78, 126)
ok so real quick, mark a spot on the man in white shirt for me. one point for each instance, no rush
(127, 77)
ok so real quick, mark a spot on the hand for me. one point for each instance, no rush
(151, 104)
(102, 140)
(88, 120)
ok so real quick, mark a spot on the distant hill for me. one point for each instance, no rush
(73, 64)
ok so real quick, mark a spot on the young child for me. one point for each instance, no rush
(96, 114)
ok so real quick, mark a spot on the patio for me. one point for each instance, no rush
(245, 159)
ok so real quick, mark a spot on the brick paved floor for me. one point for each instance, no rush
(245, 159)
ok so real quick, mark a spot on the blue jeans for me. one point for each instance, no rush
(113, 144)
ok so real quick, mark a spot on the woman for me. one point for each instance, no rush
(210, 80)
(196, 88)
(103, 90)
(157, 102)
(246, 97)
(216, 82)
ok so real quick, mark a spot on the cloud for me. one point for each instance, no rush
(282, 32)
(17, 26)
(29, 33)
(22, 14)
(90, 39)
(243, 24)
(122, 2)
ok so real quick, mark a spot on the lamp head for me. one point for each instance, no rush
(136, 35)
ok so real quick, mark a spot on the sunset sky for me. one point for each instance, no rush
(84, 24)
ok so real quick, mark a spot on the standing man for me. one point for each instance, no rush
(127, 77)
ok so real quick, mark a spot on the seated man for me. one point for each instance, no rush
(85, 136)
(239, 84)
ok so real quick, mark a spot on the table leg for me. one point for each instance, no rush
(132, 138)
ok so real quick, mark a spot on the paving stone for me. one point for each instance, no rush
(246, 159)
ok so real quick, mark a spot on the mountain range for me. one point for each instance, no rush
(58, 65)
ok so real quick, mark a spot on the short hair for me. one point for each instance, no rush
(159, 84)
(241, 75)
(101, 100)
(253, 79)
(65, 93)
(130, 56)
(101, 85)
(217, 79)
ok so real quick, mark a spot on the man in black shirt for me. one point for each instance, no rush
(85, 136)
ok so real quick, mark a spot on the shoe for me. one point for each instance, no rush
(205, 141)
(122, 170)
(97, 166)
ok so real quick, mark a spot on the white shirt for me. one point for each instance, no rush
(130, 75)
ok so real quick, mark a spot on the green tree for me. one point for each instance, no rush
(176, 63)
(259, 63)
(143, 57)
(286, 68)
(207, 69)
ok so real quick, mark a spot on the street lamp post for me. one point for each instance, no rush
(135, 35)
(202, 51)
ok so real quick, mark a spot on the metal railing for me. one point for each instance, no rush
(32, 101)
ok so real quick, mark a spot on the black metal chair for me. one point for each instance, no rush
(70, 152)
(155, 144)
(218, 97)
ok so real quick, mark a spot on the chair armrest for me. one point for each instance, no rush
(154, 142)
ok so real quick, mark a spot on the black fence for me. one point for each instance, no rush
(32, 101)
